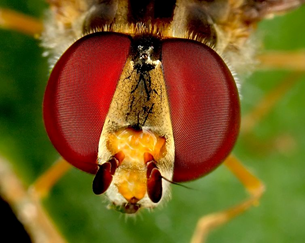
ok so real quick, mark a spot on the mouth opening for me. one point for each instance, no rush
(127, 208)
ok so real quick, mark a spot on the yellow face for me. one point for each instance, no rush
(134, 149)
(137, 131)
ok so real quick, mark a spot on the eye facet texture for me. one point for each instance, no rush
(79, 93)
(204, 107)
(202, 93)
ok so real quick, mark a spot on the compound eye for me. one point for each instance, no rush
(204, 104)
(79, 93)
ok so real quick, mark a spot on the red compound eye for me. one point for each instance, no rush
(204, 107)
(79, 93)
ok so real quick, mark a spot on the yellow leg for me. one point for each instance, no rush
(289, 60)
(17, 21)
(48, 179)
(268, 102)
(253, 185)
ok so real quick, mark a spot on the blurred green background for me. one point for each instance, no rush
(274, 151)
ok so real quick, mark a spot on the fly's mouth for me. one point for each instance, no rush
(127, 208)
(132, 177)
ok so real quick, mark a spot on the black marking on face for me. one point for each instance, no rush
(145, 54)
(147, 111)
(144, 78)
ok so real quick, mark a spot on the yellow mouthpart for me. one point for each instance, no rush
(134, 149)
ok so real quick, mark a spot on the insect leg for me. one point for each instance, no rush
(49, 178)
(268, 102)
(25, 24)
(287, 60)
(253, 185)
